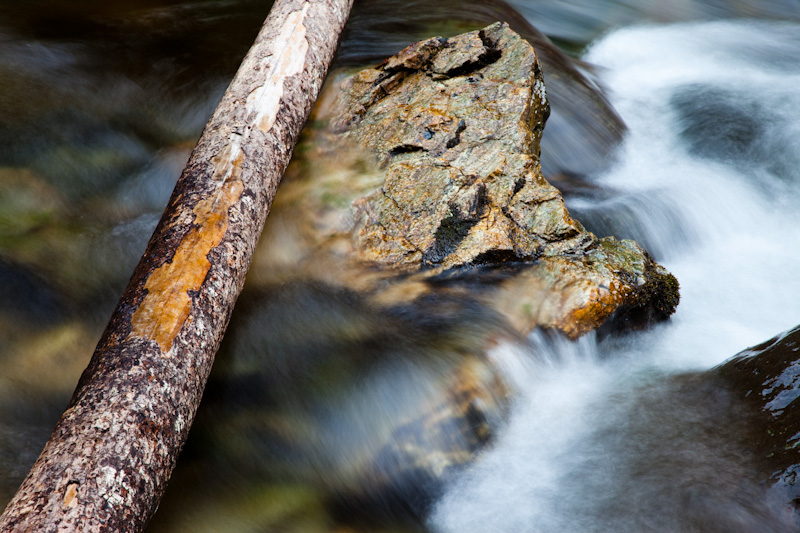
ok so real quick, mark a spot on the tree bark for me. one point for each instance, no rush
(107, 462)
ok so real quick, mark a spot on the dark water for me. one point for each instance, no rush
(100, 105)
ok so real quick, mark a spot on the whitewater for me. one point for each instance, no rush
(604, 435)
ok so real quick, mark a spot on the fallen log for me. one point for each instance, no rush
(108, 460)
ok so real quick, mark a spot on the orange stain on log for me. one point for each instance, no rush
(167, 305)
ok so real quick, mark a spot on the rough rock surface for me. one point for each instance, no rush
(429, 167)
(455, 125)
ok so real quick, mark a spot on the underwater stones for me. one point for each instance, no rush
(376, 409)
(48, 243)
(26, 203)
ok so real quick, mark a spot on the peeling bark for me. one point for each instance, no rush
(106, 464)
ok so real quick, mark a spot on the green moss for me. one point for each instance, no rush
(329, 198)
(664, 290)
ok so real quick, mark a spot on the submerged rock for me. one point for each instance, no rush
(767, 378)
(376, 409)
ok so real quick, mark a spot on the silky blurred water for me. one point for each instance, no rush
(707, 176)
(100, 105)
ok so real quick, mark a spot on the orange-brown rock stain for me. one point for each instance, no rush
(601, 304)
(71, 496)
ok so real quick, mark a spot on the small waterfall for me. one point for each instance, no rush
(624, 437)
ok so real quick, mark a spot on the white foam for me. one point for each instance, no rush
(739, 278)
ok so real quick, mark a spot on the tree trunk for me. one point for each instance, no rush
(107, 462)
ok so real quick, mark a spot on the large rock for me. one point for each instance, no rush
(428, 167)
(455, 124)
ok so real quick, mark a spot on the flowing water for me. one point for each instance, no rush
(708, 178)
(100, 107)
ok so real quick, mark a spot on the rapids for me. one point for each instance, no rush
(709, 182)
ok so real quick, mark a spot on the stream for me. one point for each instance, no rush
(100, 107)
(711, 179)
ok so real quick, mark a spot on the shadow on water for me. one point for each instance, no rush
(741, 129)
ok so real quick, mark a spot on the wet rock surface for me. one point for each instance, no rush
(767, 379)
(678, 452)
